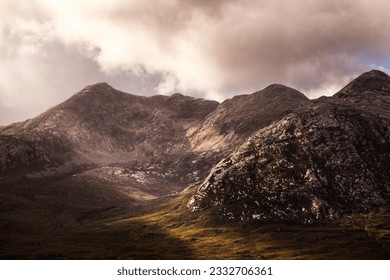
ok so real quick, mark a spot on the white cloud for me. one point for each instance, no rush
(212, 49)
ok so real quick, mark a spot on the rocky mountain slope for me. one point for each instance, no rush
(325, 159)
(108, 175)
(281, 156)
(237, 118)
(101, 131)
(114, 125)
(157, 144)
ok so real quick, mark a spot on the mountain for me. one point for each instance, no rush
(142, 138)
(108, 174)
(373, 81)
(325, 159)
(114, 124)
(237, 118)
(158, 144)
(104, 151)
(147, 147)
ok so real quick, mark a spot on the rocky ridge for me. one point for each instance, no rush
(157, 145)
(273, 154)
(237, 118)
(322, 161)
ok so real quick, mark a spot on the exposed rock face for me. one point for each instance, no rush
(373, 81)
(16, 151)
(322, 161)
(237, 118)
(141, 139)
(158, 144)
(293, 158)
(102, 119)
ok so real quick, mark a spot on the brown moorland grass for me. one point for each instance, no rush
(165, 229)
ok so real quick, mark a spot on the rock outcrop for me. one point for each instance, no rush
(322, 161)
(237, 118)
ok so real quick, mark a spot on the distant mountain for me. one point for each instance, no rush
(281, 155)
(325, 159)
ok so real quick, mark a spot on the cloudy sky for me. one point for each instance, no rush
(50, 49)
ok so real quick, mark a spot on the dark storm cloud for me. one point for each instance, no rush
(208, 48)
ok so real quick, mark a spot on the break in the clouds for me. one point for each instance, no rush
(214, 49)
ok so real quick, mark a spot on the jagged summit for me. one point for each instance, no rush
(372, 81)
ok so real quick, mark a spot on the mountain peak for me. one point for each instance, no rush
(278, 90)
(287, 171)
(375, 74)
(276, 87)
(177, 94)
(371, 81)
(102, 87)
(99, 85)
(96, 93)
